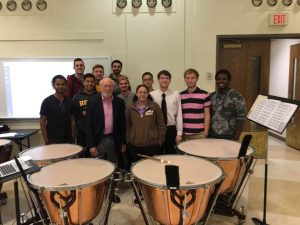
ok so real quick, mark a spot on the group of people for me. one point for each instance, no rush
(112, 122)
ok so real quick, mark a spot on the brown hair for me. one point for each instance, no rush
(191, 71)
(98, 66)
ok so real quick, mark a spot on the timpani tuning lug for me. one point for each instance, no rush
(118, 176)
(128, 177)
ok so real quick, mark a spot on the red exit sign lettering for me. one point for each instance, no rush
(278, 19)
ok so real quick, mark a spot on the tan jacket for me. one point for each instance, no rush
(147, 129)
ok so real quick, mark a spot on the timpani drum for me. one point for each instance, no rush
(75, 188)
(46, 154)
(198, 180)
(224, 152)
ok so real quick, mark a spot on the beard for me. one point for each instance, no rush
(107, 95)
(117, 72)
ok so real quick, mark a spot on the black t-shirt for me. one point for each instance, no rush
(58, 118)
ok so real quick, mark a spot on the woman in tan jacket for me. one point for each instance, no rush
(145, 126)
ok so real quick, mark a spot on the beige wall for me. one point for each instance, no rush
(143, 41)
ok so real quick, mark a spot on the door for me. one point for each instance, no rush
(249, 63)
(293, 129)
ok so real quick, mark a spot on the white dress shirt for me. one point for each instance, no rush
(174, 112)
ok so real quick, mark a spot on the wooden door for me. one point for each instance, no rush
(293, 129)
(249, 63)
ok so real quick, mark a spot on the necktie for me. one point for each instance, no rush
(164, 107)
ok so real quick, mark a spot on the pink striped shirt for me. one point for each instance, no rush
(193, 105)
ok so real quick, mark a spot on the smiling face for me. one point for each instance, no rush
(191, 80)
(142, 94)
(89, 84)
(107, 87)
(124, 85)
(164, 81)
(116, 68)
(98, 73)
(79, 67)
(60, 86)
(222, 81)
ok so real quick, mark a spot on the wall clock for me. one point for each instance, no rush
(272, 2)
(166, 3)
(11, 5)
(122, 4)
(151, 3)
(257, 3)
(136, 3)
(287, 2)
(41, 5)
(26, 5)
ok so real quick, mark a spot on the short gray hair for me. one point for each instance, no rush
(105, 80)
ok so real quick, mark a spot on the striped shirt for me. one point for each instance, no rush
(193, 105)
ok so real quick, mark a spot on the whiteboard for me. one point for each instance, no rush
(25, 83)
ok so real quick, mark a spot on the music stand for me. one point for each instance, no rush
(273, 113)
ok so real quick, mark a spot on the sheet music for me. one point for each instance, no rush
(10, 134)
(271, 113)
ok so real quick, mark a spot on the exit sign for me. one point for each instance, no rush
(278, 19)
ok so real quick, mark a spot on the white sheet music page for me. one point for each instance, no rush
(7, 135)
(257, 108)
(271, 113)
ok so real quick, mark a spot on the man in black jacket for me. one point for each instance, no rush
(80, 102)
(106, 124)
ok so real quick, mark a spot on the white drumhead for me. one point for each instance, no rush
(72, 174)
(213, 148)
(193, 171)
(52, 152)
(4, 142)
